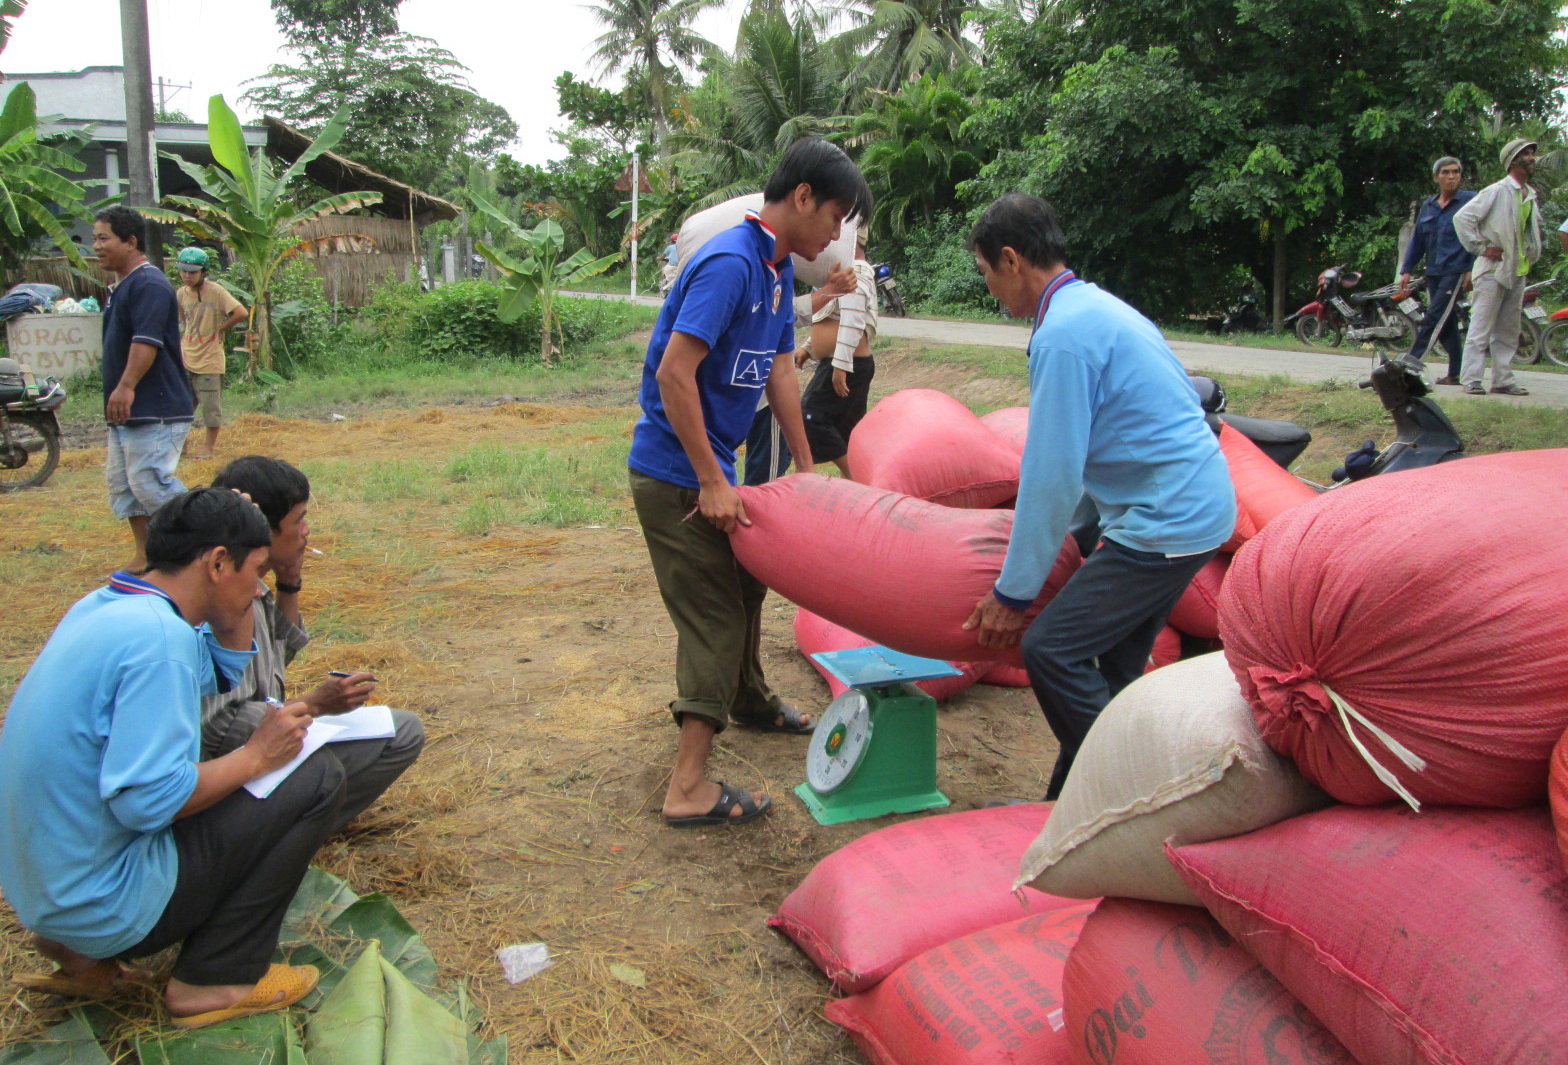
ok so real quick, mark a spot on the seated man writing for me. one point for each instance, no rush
(229, 719)
(116, 839)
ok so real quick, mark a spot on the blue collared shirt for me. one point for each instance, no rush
(1435, 238)
(734, 298)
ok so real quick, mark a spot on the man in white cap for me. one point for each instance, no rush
(1502, 227)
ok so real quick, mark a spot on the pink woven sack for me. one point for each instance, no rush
(926, 444)
(1395, 642)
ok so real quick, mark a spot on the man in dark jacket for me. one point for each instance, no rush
(1447, 265)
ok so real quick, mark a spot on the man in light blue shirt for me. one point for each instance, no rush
(116, 840)
(1112, 415)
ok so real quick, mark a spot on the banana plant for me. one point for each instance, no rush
(35, 199)
(249, 209)
(542, 274)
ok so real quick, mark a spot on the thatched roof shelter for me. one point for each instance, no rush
(335, 173)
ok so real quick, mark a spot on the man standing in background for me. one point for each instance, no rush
(147, 400)
(1447, 266)
(1501, 226)
(206, 312)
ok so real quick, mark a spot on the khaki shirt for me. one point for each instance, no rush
(202, 311)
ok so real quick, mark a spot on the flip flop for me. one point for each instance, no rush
(720, 814)
(792, 722)
(294, 982)
(61, 983)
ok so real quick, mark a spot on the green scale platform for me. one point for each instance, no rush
(874, 749)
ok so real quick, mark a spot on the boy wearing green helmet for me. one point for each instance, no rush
(206, 313)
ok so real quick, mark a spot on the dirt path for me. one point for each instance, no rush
(542, 661)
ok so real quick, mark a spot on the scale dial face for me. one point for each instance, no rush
(839, 742)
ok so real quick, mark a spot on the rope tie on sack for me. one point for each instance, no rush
(1300, 693)
(1397, 749)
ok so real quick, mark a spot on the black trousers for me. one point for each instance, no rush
(241, 861)
(767, 452)
(1441, 322)
(1094, 638)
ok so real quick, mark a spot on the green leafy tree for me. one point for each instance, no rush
(409, 110)
(542, 274)
(354, 20)
(917, 153)
(648, 40)
(249, 208)
(1177, 146)
(37, 202)
(10, 11)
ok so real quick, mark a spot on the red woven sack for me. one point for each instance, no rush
(897, 570)
(990, 998)
(1005, 675)
(1011, 424)
(1438, 938)
(1559, 790)
(1149, 983)
(1197, 612)
(926, 444)
(1384, 626)
(813, 635)
(1264, 488)
(872, 905)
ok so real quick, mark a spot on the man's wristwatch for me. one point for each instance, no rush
(285, 586)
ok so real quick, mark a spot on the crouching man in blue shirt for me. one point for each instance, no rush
(1112, 415)
(725, 336)
(116, 840)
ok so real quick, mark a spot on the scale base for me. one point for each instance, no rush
(834, 810)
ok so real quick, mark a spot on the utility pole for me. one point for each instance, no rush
(166, 91)
(140, 146)
(636, 180)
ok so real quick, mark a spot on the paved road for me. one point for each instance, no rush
(1546, 389)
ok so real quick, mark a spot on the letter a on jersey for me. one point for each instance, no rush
(752, 368)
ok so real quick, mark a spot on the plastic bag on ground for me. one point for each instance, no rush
(1395, 644)
(1176, 756)
(877, 902)
(897, 570)
(1438, 938)
(926, 444)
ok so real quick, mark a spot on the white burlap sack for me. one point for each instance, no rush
(1176, 756)
(705, 225)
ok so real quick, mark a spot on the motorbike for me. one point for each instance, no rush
(1423, 434)
(1534, 322)
(1554, 337)
(887, 290)
(29, 428)
(1381, 316)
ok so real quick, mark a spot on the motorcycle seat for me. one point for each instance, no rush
(12, 393)
(1281, 441)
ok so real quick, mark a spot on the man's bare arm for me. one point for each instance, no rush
(717, 499)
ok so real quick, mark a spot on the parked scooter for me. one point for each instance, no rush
(887, 291)
(1424, 436)
(1336, 314)
(29, 430)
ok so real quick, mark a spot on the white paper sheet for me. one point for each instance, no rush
(366, 723)
(319, 733)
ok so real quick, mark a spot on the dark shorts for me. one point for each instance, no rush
(830, 417)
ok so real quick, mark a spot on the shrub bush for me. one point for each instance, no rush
(938, 271)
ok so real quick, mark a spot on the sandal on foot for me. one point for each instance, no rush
(1510, 390)
(785, 719)
(62, 983)
(291, 982)
(729, 798)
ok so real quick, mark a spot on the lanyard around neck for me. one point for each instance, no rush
(1066, 277)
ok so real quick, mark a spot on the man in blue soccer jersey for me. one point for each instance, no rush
(716, 348)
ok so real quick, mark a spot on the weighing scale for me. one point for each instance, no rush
(874, 749)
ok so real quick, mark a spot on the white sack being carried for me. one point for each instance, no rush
(1176, 756)
(705, 225)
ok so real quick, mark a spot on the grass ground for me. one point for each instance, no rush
(482, 559)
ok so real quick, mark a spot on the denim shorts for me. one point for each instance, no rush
(140, 466)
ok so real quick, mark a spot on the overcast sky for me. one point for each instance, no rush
(514, 51)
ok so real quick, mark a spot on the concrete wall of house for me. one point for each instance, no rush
(96, 92)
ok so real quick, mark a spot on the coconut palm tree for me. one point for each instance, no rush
(916, 151)
(899, 40)
(650, 39)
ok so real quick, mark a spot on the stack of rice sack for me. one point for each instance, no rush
(1329, 844)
